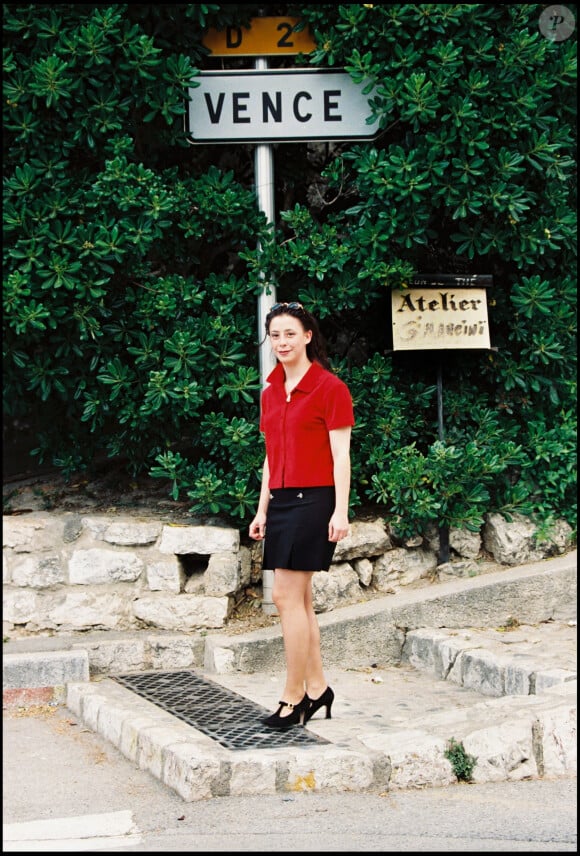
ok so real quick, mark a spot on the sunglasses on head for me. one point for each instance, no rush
(293, 305)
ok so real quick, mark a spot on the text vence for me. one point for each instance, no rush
(279, 105)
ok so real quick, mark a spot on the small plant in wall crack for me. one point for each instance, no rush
(463, 764)
(511, 623)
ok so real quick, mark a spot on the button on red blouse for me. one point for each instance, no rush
(296, 431)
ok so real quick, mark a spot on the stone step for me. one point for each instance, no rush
(462, 666)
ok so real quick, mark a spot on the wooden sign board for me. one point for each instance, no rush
(428, 318)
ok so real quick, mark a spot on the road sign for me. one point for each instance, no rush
(264, 37)
(278, 105)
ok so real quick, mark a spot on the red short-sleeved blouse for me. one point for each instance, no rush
(296, 431)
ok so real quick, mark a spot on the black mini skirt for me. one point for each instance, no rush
(297, 529)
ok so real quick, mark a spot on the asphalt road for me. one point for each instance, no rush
(66, 789)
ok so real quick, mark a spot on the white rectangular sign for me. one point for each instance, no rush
(431, 318)
(280, 105)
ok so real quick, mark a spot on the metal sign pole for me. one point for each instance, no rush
(444, 529)
(264, 175)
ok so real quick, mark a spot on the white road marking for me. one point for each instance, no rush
(71, 834)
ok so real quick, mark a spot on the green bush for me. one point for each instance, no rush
(463, 764)
(133, 260)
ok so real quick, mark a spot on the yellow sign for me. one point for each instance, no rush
(432, 318)
(264, 37)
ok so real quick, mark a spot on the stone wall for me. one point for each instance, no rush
(68, 573)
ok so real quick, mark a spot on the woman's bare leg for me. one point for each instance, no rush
(315, 679)
(290, 594)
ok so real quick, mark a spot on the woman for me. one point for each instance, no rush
(306, 417)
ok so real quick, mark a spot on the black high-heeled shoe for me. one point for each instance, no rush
(297, 717)
(325, 700)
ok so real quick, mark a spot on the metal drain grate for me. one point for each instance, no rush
(221, 714)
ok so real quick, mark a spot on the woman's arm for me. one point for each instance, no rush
(258, 524)
(338, 526)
